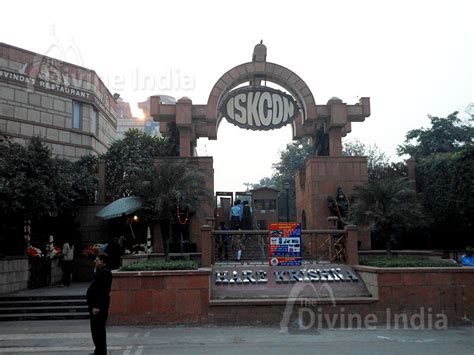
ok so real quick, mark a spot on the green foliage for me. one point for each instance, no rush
(170, 184)
(37, 187)
(264, 182)
(135, 152)
(445, 135)
(151, 265)
(389, 206)
(406, 262)
(445, 177)
(446, 183)
(33, 184)
(296, 153)
(132, 169)
(378, 165)
(293, 158)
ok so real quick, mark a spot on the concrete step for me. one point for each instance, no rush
(34, 303)
(42, 309)
(43, 316)
(39, 298)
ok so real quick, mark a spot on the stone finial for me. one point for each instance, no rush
(334, 100)
(259, 53)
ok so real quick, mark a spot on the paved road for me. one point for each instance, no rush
(73, 337)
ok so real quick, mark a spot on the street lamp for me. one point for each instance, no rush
(287, 187)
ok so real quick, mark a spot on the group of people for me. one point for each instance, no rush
(241, 216)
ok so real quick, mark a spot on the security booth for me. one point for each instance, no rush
(265, 206)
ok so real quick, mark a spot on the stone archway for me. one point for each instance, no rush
(332, 121)
(265, 71)
(196, 121)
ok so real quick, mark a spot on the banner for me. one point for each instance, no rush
(284, 240)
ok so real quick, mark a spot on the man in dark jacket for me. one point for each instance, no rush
(98, 301)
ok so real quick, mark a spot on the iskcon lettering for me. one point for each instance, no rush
(259, 108)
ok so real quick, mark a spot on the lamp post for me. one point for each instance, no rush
(287, 187)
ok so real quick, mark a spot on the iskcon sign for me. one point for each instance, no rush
(258, 108)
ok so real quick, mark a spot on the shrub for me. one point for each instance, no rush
(406, 262)
(154, 265)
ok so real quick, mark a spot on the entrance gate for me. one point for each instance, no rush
(258, 107)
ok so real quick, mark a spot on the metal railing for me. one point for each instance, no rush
(251, 246)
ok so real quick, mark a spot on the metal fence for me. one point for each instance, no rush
(251, 246)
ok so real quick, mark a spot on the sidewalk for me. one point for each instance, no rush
(73, 337)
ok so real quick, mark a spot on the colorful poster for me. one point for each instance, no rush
(284, 240)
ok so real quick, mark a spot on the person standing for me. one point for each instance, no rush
(223, 243)
(98, 300)
(67, 258)
(247, 216)
(236, 214)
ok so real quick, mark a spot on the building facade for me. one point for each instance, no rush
(66, 105)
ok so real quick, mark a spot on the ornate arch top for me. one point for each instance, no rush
(255, 72)
(260, 106)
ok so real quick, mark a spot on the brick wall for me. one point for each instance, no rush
(421, 296)
(406, 290)
(159, 297)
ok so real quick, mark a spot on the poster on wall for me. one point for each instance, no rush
(285, 244)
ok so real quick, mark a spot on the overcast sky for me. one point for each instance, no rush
(412, 58)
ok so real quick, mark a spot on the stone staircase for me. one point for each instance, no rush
(52, 307)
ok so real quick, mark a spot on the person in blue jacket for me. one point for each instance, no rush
(236, 214)
(467, 259)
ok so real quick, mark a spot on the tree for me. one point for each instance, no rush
(131, 169)
(34, 186)
(445, 176)
(135, 151)
(445, 135)
(389, 206)
(167, 187)
(446, 185)
(378, 165)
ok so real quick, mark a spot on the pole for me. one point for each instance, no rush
(287, 187)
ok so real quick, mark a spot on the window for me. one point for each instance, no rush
(76, 114)
(265, 204)
(95, 122)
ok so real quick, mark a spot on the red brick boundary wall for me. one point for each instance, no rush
(159, 297)
(406, 290)
(424, 296)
